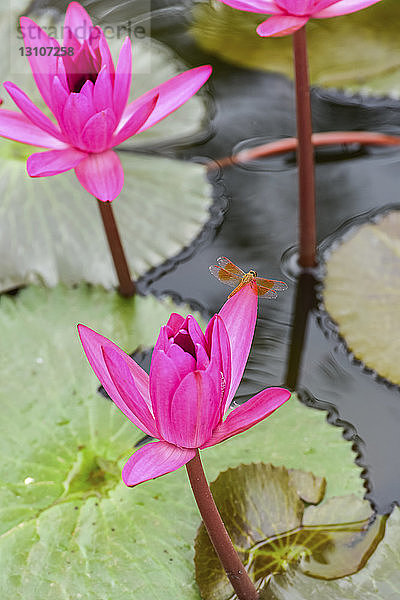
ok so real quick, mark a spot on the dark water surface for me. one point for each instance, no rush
(298, 348)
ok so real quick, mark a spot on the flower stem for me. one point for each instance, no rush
(127, 287)
(327, 138)
(241, 582)
(305, 152)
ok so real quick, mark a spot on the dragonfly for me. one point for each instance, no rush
(231, 275)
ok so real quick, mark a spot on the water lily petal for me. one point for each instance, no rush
(78, 67)
(184, 362)
(121, 376)
(101, 175)
(61, 73)
(93, 43)
(173, 93)
(195, 331)
(280, 26)
(248, 414)
(16, 126)
(77, 22)
(43, 67)
(344, 7)
(175, 323)
(265, 7)
(106, 58)
(136, 120)
(103, 90)
(163, 381)
(220, 353)
(71, 41)
(239, 315)
(323, 4)
(60, 96)
(123, 77)
(96, 134)
(78, 109)
(93, 344)
(183, 339)
(195, 408)
(31, 111)
(202, 358)
(162, 342)
(153, 460)
(87, 96)
(299, 8)
(53, 162)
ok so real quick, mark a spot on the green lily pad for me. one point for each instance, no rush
(362, 293)
(273, 530)
(54, 389)
(358, 52)
(51, 230)
(69, 527)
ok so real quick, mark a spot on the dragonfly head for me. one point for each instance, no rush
(253, 273)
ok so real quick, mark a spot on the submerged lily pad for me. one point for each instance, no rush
(51, 230)
(378, 580)
(358, 52)
(362, 293)
(274, 531)
(69, 526)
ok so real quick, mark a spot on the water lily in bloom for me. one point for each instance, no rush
(288, 16)
(193, 378)
(88, 97)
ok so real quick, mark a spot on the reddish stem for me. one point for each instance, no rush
(241, 582)
(366, 138)
(126, 285)
(305, 152)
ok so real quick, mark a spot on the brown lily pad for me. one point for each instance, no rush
(275, 532)
(362, 293)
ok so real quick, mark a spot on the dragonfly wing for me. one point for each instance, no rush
(279, 286)
(269, 284)
(229, 267)
(268, 288)
(227, 272)
(224, 276)
(266, 293)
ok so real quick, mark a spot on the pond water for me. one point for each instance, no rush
(295, 343)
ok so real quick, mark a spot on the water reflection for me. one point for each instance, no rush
(303, 304)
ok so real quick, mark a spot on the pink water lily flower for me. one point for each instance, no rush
(290, 15)
(88, 97)
(193, 378)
